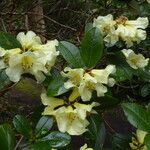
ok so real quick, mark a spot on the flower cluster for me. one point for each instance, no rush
(135, 60)
(70, 115)
(84, 83)
(121, 28)
(34, 57)
(84, 147)
(138, 141)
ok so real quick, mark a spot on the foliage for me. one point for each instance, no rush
(84, 76)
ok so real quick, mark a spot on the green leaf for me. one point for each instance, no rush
(71, 54)
(7, 138)
(8, 41)
(108, 102)
(22, 125)
(145, 90)
(56, 84)
(122, 74)
(96, 132)
(57, 139)
(44, 125)
(137, 116)
(147, 141)
(145, 10)
(4, 80)
(144, 74)
(44, 145)
(120, 142)
(92, 47)
(88, 27)
(124, 71)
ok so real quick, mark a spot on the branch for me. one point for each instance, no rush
(48, 18)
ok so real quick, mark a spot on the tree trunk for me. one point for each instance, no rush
(35, 19)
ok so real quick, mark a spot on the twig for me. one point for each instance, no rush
(111, 129)
(26, 22)
(6, 89)
(3, 25)
(127, 87)
(54, 21)
(18, 143)
(48, 18)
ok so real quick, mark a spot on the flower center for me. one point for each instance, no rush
(27, 62)
(121, 20)
(75, 79)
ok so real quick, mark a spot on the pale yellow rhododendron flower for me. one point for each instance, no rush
(84, 147)
(34, 57)
(135, 60)
(75, 76)
(26, 63)
(5, 56)
(28, 40)
(69, 118)
(47, 52)
(148, 1)
(138, 141)
(84, 83)
(105, 24)
(129, 31)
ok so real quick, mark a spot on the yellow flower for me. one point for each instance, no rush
(148, 1)
(95, 81)
(105, 24)
(135, 60)
(69, 121)
(84, 147)
(47, 52)
(129, 31)
(5, 56)
(70, 118)
(138, 141)
(25, 63)
(28, 40)
(84, 83)
(35, 58)
(75, 76)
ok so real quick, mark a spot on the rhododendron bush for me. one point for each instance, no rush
(107, 68)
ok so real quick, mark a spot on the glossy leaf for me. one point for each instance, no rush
(122, 74)
(120, 142)
(144, 9)
(7, 138)
(145, 90)
(108, 102)
(4, 80)
(137, 116)
(57, 139)
(44, 125)
(56, 84)
(92, 47)
(124, 71)
(88, 27)
(147, 141)
(44, 145)
(71, 54)
(8, 41)
(96, 132)
(144, 74)
(22, 125)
